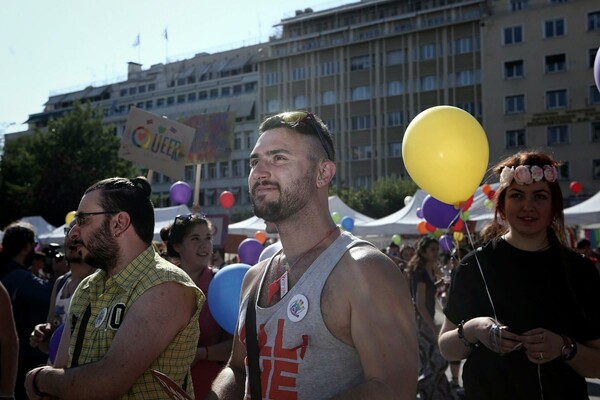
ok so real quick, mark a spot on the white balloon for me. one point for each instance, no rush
(407, 200)
(269, 251)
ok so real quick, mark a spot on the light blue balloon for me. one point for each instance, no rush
(224, 295)
(348, 223)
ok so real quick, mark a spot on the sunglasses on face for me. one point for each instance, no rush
(293, 118)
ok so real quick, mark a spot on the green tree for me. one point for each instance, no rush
(46, 173)
(386, 197)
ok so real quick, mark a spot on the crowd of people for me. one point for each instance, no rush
(323, 314)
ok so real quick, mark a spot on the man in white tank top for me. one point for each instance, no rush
(334, 317)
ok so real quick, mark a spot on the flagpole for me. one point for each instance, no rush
(166, 36)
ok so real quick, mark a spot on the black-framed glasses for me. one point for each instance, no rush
(295, 117)
(81, 216)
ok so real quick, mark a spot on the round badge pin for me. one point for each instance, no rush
(100, 317)
(297, 308)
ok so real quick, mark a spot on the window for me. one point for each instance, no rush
(513, 34)
(593, 20)
(237, 169)
(328, 97)
(594, 95)
(468, 107)
(395, 118)
(299, 74)
(394, 88)
(142, 89)
(596, 168)
(428, 83)
(360, 62)
(592, 57)
(395, 57)
(513, 69)
(237, 89)
(149, 104)
(464, 78)
(271, 78)
(140, 104)
(202, 95)
(249, 140)
(123, 92)
(556, 99)
(132, 90)
(226, 91)
(237, 141)
(514, 104)
(250, 87)
(160, 102)
(427, 51)
(212, 171)
(299, 101)
(554, 28)
(362, 152)
(361, 182)
(516, 5)
(394, 149)
(558, 134)
(191, 97)
(515, 138)
(224, 169)
(273, 106)
(170, 100)
(360, 122)
(463, 45)
(214, 93)
(564, 171)
(556, 63)
(595, 126)
(189, 172)
(360, 93)
(151, 87)
(180, 98)
(328, 68)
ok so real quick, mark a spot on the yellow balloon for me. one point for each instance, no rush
(458, 236)
(446, 153)
(69, 217)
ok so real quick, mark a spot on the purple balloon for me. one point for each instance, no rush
(597, 69)
(180, 192)
(446, 243)
(420, 213)
(437, 213)
(249, 251)
(54, 342)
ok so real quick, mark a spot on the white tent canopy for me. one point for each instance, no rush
(584, 213)
(249, 226)
(40, 224)
(405, 220)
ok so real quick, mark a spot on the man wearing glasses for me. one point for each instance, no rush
(334, 318)
(138, 313)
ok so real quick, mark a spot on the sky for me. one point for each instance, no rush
(52, 47)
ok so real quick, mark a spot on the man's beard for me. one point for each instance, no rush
(291, 199)
(102, 249)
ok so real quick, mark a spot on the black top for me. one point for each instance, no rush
(555, 289)
(420, 275)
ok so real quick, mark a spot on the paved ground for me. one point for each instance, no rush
(594, 389)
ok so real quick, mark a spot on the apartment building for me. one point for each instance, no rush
(523, 68)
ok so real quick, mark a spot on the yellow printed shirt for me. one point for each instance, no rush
(110, 298)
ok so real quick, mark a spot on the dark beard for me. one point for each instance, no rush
(102, 249)
(290, 201)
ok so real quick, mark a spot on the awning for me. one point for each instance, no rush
(45, 116)
(97, 91)
(186, 74)
(242, 109)
(236, 63)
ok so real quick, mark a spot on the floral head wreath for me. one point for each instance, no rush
(526, 174)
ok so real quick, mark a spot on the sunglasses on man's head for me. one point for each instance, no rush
(293, 118)
(188, 217)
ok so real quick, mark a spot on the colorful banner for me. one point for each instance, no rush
(213, 137)
(156, 143)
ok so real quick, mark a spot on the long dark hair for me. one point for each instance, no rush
(181, 227)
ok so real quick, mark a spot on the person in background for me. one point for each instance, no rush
(9, 347)
(407, 252)
(191, 241)
(30, 295)
(37, 265)
(317, 300)
(138, 313)
(424, 276)
(63, 289)
(218, 258)
(523, 309)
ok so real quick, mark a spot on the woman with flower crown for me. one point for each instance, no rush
(523, 310)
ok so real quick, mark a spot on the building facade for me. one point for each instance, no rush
(523, 68)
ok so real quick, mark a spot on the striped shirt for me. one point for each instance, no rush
(110, 298)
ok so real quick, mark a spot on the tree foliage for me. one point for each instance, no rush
(46, 173)
(386, 197)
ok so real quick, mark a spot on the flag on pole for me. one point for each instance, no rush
(136, 42)
(165, 34)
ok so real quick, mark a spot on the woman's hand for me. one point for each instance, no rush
(492, 335)
(541, 345)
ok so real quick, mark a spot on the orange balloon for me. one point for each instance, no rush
(260, 236)
(422, 228)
